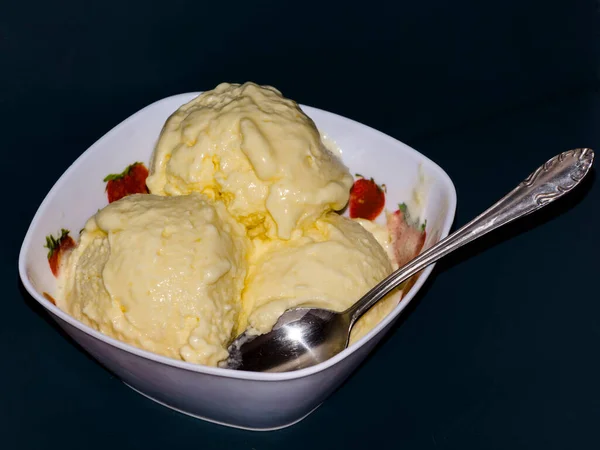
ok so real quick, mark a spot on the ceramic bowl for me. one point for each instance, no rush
(257, 401)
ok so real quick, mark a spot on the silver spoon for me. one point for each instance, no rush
(303, 337)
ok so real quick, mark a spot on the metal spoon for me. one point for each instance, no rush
(303, 337)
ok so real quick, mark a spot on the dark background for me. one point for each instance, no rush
(499, 350)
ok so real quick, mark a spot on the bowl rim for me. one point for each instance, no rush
(216, 371)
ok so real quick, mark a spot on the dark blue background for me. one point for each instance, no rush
(500, 349)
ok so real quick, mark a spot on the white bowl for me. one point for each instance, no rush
(256, 401)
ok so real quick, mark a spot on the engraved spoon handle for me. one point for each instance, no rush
(549, 182)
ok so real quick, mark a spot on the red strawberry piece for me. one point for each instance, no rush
(131, 181)
(57, 247)
(408, 238)
(367, 199)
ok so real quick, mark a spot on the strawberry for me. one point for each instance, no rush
(408, 238)
(367, 199)
(57, 247)
(131, 181)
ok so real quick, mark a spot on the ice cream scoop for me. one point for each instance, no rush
(303, 337)
(329, 266)
(255, 150)
(162, 273)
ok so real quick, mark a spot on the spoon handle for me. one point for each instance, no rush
(549, 182)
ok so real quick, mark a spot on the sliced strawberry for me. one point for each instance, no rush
(131, 181)
(57, 247)
(367, 199)
(408, 239)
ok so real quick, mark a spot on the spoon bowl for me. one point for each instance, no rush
(302, 337)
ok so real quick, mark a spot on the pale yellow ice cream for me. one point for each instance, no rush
(239, 227)
(258, 152)
(162, 273)
(330, 265)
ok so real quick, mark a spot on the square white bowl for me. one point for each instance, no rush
(256, 401)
